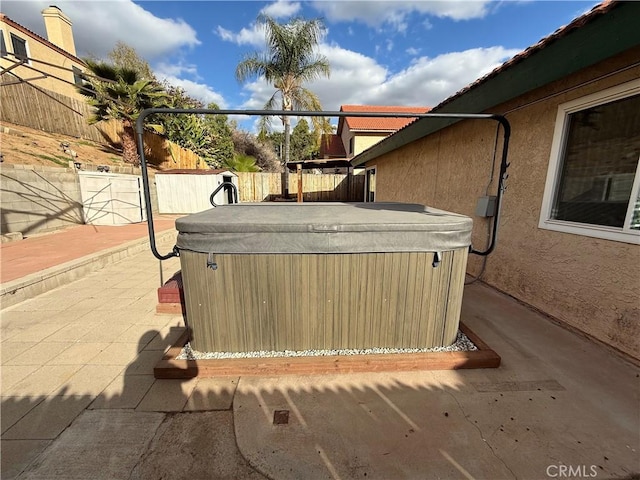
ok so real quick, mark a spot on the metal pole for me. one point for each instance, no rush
(206, 111)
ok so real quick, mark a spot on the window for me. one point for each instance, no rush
(370, 184)
(351, 142)
(593, 181)
(19, 47)
(77, 76)
(3, 46)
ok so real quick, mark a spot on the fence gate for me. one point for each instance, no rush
(111, 199)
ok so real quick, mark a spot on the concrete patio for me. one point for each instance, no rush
(79, 400)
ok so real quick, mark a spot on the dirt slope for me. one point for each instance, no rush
(26, 146)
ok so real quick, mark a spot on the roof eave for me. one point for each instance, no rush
(602, 37)
(39, 39)
(371, 130)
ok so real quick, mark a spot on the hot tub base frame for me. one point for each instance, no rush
(171, 368)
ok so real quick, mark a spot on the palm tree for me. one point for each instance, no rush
(288, 62)
(119, 93)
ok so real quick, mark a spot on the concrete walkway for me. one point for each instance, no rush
(79, 400)
(39, 252)
(43, 262)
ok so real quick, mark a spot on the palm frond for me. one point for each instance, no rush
(102, 70)
(250, 67)
(128, 75)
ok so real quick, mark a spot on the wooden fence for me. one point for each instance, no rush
(24, 104)
(262, 187)
(159, 151)
(34, 107)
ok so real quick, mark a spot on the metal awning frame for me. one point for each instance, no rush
(501, 120)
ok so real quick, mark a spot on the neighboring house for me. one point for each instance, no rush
(356, 134)
(331, 158)
(48, 64)
(331, 147)
(570, 227)
(360, 133)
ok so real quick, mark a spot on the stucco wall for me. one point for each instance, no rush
(40, 199)
(363, 141)
(346, 136)
(591, 284)
(38, 50)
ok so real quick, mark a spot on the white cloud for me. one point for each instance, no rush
(412, 51)
(97, 26)
(255, 35)
(163, 69)
(199, 91)
(185, 75)
(428, 81)
(358, 79)
(376, 13)
(281, 8)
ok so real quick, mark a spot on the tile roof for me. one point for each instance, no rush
(579, 22)
(333, 148)
(378, 123)
(35, 36)
(561, 32)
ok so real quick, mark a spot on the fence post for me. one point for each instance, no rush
(299, 183)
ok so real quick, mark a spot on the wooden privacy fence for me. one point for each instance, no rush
(24, 104)
(159, 151)
(263, 187)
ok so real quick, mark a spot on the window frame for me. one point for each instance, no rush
(367, 170)
(554, 171)
(77, 76)
(3, 47)
(26, 47)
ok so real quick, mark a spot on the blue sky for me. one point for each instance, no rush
(381, 53)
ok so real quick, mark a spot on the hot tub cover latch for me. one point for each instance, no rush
(211, 261)
(437, 257)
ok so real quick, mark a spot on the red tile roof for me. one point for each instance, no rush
(378, 123)
(35, 36)
(601, 9)
(561, 32)
(333, 148)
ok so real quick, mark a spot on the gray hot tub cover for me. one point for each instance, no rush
(323, 228)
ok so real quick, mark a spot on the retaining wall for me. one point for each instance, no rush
(38, 199)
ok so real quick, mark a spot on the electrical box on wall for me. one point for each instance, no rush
(486, 206)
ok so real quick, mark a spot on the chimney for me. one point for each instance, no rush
(58, 28)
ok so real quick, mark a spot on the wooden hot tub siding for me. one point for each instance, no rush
(323, 301)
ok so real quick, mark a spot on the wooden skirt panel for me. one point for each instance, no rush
(322, 301)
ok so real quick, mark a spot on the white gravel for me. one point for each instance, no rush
(462, 344)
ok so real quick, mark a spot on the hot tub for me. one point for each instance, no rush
(322, 276)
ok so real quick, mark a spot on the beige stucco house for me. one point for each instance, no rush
(360, 133)
(570, 219)
(50, 64)
(356, 134)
